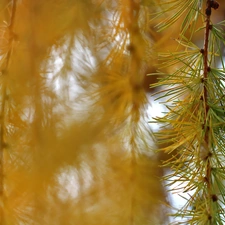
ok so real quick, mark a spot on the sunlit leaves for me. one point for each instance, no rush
(190, 9)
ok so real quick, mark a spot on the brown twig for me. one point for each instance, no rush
(210, 4)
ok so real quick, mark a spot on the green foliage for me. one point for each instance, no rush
(194, 95)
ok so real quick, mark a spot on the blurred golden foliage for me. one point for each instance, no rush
(75, 144)
(74, 139)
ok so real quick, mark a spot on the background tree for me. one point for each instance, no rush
(75, 143)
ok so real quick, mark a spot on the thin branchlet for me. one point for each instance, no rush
(195, 79)
(210, 4)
